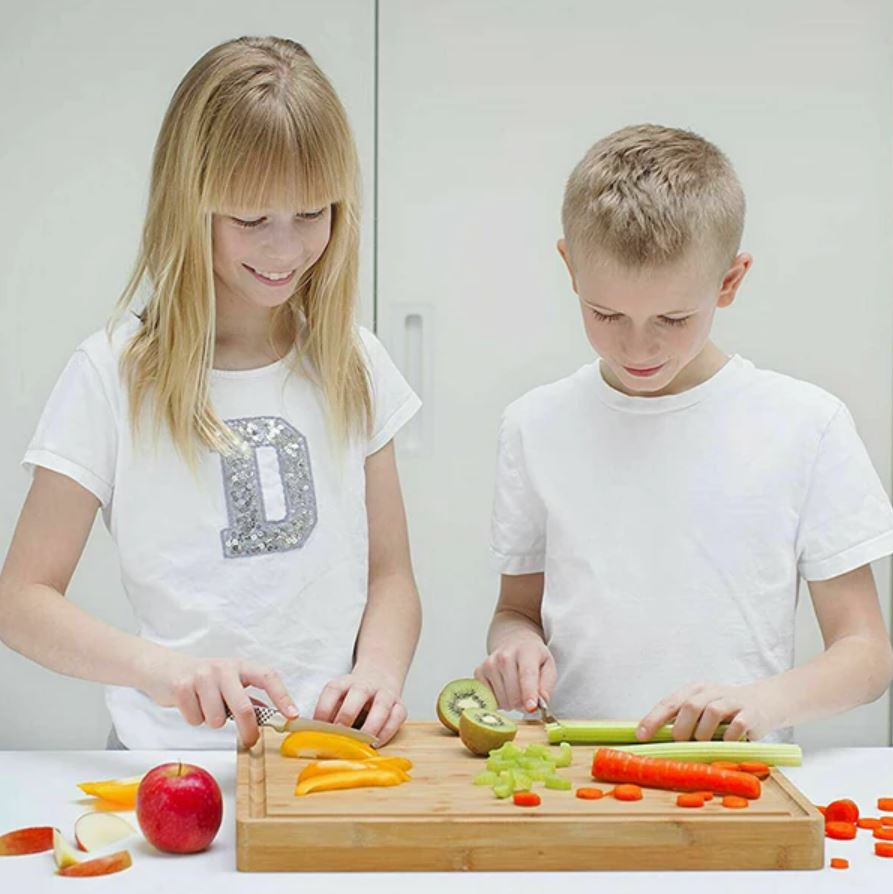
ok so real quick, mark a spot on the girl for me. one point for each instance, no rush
(237, 433)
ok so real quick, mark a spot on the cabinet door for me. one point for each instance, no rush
(85, 89)
(484, 108)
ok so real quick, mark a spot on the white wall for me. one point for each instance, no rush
(484, 110)
(85, 88)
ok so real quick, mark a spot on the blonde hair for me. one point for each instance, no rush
(253, 124)
(646, 194)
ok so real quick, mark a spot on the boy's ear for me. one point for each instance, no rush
(565, 256)
(732, 280)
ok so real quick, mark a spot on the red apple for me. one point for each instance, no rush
(179, 808)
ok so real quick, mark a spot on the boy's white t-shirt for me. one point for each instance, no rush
(263, 557)
(673, 530)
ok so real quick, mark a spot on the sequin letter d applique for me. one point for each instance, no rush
(250, 533)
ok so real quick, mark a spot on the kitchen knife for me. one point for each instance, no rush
(272, 718)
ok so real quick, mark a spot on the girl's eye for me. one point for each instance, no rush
(678, 321)
(248, 223)
(604, 318)
(310, 215)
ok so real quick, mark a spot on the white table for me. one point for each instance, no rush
(38, 788)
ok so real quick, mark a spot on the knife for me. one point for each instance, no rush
(271, 717)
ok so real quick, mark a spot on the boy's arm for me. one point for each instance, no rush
(520, 667)
(391, 622)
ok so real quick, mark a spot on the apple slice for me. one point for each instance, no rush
(64, 853)
(33, 840)
(99, 866)
(94, 831)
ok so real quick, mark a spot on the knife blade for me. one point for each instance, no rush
(271, 717)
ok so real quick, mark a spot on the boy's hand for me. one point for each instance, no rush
(519, 674)
(700, 708)
(345, 698)
(202, 689)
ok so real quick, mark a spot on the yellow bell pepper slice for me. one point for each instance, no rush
(117, 791)
(310, 743)
(319, 768)
(347, 779)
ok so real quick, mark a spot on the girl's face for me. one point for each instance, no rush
(260, 257)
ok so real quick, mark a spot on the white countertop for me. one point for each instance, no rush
(38, 788)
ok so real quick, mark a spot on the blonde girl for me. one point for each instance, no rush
(235, 426)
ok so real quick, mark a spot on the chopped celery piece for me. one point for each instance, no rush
(565, 755)
(540, 775)
(502, 789)
(780, 754)
(558, 782)
(609, 732)
(521, 781)
(537, 750)
(486, 778)
(496, 764)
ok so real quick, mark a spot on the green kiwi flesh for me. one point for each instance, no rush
(460, 694)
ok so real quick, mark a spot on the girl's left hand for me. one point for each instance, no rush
(700, 708)
(344, 699)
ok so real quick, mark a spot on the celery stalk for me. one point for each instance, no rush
(780, 754)
(608, 732)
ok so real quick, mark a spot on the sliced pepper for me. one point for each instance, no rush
(319, 768)
(347, 779)
(118, 791)
(310, 743)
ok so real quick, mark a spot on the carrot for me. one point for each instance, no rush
(883, 850)
(885, 805)
(725, 765)
(842, 811)
(735, 802)
(526, 799)
(822, 810)
(610, 765)
(840, 830)
(839, 863)
(707, 796)
(690, 799)
(885, 834)
(887, 820)
(758, 768)
(628, 793)
(867, 822)
(590, 794)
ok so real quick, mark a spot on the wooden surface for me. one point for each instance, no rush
(440, 821)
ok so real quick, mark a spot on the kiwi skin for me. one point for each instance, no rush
(459, 695)
(477, 733)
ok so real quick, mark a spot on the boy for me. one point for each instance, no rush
(655, 511)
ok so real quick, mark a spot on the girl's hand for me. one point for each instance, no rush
(519, 674)
(202, 689)
(699, 709)
(345, 698)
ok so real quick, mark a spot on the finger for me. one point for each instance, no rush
(507, 665)
(187, 702)
(330, 699)
(714, 713)
(489, 674)
(379, 713)
(240, 706)
(268, 680)
(660, 714)
(392, 725)
(355, 700)
(548, 676)
(687, 718)
(210, 699)
(528, 680)
(737, 729)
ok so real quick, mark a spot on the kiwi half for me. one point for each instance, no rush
(482, 730)
(458, 695)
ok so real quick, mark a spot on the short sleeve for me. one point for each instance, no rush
(77, 433)
(518, 527)
(394, 403)
(847, 519)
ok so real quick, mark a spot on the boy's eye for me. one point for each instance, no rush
(604, 318)
(677, 321)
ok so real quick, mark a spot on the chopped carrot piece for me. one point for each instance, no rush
(883, 849)
(867, 822)
(693, 799)
(707, 796)
(839, 863)
(628, 792)
(590, 794)
(724, 765)
(885, 834)
(610, 792)
(526, 799)
(758, 768)
(840, 830)
(887, 820)
(842, 811)
(735, 802)
(885, 805)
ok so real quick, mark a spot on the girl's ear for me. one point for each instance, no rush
(565, 256)
(733, 278)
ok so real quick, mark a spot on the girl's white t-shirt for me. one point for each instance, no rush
(673, 531)
(262, 556)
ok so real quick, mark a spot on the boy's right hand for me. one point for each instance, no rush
(202, 689)
(519, 674)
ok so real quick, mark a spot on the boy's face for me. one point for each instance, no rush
(651, 326)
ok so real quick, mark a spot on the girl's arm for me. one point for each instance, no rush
(391, 622)
(40, 623)
(855, 668)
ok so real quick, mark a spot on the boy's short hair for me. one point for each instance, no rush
(645, 194)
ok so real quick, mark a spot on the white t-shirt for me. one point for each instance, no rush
(262, 558)
(673, 530)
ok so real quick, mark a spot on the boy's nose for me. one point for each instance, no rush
(641, 348)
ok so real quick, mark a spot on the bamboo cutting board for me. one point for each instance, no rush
(440, 821)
